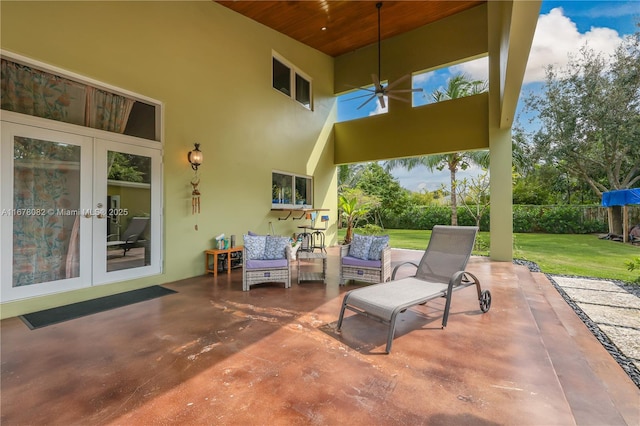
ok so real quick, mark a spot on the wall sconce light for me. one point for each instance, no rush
(195, 157)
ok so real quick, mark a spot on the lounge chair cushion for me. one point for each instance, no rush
(265, 264)
(360, 246)
(383, 299)
(275, 247)
(377, 245)
(354, 261)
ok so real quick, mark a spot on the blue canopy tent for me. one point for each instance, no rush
(621, 197)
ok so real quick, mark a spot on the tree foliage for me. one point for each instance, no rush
(474, 195)
(459, 86)
(355, 205)
(376, 181)
(128, 167)
(453, 162)
(590, 117)
(348, 175)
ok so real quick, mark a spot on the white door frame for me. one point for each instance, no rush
(8, 291)
(100, 274)
(94, 145)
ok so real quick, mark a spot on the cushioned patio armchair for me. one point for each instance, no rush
(266, 259)
(367, 259)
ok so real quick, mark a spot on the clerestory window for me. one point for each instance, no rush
(292, 82)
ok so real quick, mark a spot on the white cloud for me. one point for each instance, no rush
(378, 109)
(478, 69)
(557, 36)
(420, 79)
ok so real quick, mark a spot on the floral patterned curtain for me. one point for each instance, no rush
(46, 176)
(107, 111)
(33, 92)
(30, 91)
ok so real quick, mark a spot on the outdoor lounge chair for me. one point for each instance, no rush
(439, 274)
(134, 232)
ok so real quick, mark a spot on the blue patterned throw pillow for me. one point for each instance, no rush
(360, 246)
(254, 246)
(377, 245)
(275, 247)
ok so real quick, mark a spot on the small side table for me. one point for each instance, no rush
(312, 276)
(215, 252)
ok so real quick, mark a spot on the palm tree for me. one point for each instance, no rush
(348, 175)
(453, 162)
(458, 86)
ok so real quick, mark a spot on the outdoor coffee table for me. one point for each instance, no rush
(312, 276)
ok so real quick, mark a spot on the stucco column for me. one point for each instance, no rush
(501, 195)
(501, 228)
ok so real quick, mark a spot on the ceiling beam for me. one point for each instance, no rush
(514, 57)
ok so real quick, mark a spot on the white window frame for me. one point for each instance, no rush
(293, 204)
(42, 66)
(292, 80)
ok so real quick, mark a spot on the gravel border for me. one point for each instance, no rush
(627, 365)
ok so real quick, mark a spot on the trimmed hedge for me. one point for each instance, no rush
(561, 219)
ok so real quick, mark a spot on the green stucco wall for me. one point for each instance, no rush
(211, 68)
(404, 131)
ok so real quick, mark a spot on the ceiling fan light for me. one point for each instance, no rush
(381, 90)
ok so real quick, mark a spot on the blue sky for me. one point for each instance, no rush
(563, 27)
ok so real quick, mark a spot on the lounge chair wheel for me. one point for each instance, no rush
(485, 300)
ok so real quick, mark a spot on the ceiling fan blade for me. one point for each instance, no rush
(405, 90)
(398, 81)
(382, 103)
(360, 96)
(376, 82)
(367, 101)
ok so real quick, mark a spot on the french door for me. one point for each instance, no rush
(126, 223)
(66, 201)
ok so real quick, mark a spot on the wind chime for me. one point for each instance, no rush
(195, 158)
(195, 195)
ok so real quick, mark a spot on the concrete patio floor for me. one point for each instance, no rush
(213, 354)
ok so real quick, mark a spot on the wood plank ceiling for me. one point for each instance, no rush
(339, 27)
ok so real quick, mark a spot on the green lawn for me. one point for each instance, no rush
(562, 254)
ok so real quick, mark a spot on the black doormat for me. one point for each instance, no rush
(76, 310)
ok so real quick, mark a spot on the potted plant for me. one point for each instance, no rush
(286, 195)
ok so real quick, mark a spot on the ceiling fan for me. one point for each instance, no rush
(379, 90)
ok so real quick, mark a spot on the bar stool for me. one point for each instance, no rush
(318, 235)
(306, 239)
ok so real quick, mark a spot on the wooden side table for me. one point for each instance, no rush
(214, 253)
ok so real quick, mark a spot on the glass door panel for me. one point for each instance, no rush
(44, 237)
(126, 195)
